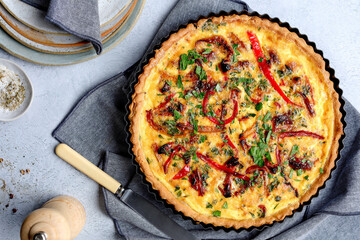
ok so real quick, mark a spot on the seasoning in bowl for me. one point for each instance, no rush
(12, 90)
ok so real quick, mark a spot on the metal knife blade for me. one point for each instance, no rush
(154, 216)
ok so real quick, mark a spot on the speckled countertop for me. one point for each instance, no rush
(27, 143)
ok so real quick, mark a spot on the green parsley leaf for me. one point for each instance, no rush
(225, 205)
(299, 172)
(321, 170)
(306, 177)
(177, 115)
(260, 59)
(267, 117)
(179, 193)
(179, 83)
(294, 150)
(207, 51)
(216, 213)
(201, 73)
(183, 61)
(257, 155)
(291, 173)
(177, 188)
(268, 156)
(258, 106)
(209, 205)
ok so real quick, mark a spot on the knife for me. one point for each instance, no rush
(136, 202)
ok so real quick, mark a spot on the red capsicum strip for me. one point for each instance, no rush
(221, 167)
(263, 65)
(263, 209)
(253, 168)
(215, 120)
(300, 134)
(183, 172)
(231, 144)
(172, 154)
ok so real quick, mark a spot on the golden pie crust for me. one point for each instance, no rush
(305, 161)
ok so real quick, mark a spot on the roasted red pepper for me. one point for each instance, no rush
(254, 168)
(183, 172)
(300, 134)
(221, 167)
(264, 66)
(196, 182)
(263, 210)
(215, 120)
(307, 104)
(231, 144)
(172, 154)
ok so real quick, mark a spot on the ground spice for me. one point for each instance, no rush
(12, 90)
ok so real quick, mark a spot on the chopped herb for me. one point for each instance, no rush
(179, 83)
(203, 138)
(177, 188)
(168, 82)
(171, 127)
(209, 205)
(321, 170)
(177, 115)
(252, 214)
(260, 59)
(277, 198)
(276, 205)
(267, 117)
(201, 73)
(299, 172)
(291, 173)
(179, 193)
(183, 61)
(306, 177)
(216, 213)
(206, 51)
(294, 150)
(225, 205)
(258, 106)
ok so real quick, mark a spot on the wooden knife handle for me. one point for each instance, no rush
(85, 166)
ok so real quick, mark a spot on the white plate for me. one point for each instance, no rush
(12, 115)
(35, 18)
(47, 42)
(19, 50)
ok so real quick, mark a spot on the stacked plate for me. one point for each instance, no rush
(26, 33)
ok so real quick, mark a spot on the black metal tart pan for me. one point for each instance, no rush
(139, 68)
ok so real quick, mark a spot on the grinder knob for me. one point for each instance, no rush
(60, 218)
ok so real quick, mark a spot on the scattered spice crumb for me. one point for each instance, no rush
(7, 205)
(11, 196)
(14, 210)
(22, 171)
(27, 170)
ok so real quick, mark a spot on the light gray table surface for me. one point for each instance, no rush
(27, 143)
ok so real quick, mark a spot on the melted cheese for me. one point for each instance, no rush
(244, 205)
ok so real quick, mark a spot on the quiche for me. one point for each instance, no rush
(235, 121)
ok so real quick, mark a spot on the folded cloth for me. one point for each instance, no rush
(96, 129)
(78, 17)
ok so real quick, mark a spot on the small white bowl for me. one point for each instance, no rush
(12, 115)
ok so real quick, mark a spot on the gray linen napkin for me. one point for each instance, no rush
(78, 17)
(96, 129)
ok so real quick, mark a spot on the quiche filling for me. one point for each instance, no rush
(237, 121)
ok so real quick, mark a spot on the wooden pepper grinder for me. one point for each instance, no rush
(61, 218)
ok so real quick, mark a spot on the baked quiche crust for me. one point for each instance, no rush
(215, 212)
